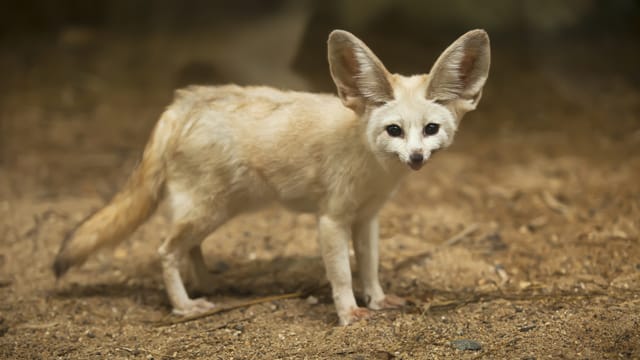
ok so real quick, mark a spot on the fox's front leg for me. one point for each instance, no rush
(365, 243)
(334, 238)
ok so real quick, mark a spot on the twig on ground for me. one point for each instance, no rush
(411, 260)
(38, 326)
(461, 235)
(448, 304)
(231, 307)
(554, 204)
(450, 242)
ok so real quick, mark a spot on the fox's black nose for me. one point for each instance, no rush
(416, 158)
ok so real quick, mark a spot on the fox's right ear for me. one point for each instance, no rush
(359, 75)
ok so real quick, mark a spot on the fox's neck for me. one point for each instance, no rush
(385, 165)
(382, 169)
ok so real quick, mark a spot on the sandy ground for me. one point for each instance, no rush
(523, 237)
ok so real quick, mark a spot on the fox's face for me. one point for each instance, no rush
(410, 118)
(410, 128)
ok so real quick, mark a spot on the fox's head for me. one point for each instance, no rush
(409, 118)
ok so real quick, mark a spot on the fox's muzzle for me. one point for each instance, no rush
(416, 160)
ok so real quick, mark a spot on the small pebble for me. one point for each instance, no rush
(524, 284)
(466, 344)
(312, 300)
(527, 328)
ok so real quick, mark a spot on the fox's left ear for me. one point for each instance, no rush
(457, 77)
(359, 75)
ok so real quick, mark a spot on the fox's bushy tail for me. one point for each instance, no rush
(135, 202)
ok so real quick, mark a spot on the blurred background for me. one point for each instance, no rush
(74, 69)
(545, 173)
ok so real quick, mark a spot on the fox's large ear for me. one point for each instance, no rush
(359, 75)
(461, 71)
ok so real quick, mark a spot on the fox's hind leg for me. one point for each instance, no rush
(201, 277)
(193, 221)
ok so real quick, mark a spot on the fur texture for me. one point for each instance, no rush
(219, 151)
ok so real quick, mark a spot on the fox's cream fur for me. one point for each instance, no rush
(219, 151)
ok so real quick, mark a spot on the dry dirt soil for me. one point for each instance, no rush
(522, 237)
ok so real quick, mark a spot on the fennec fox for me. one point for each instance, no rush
(222, 150)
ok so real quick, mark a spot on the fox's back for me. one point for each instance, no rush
(262, 142)
(260, 113)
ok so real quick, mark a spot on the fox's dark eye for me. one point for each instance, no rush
(394, 130)
(431, 129)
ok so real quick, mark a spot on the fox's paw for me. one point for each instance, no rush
(387, 302)
(354, 315)
(193, 307)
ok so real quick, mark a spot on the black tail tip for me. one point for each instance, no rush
(60, 267)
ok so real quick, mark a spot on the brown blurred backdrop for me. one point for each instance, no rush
(73, 69)
(544, 178)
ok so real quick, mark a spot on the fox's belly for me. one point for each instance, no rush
(253, 189)
(245, 204)
(300, 205)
